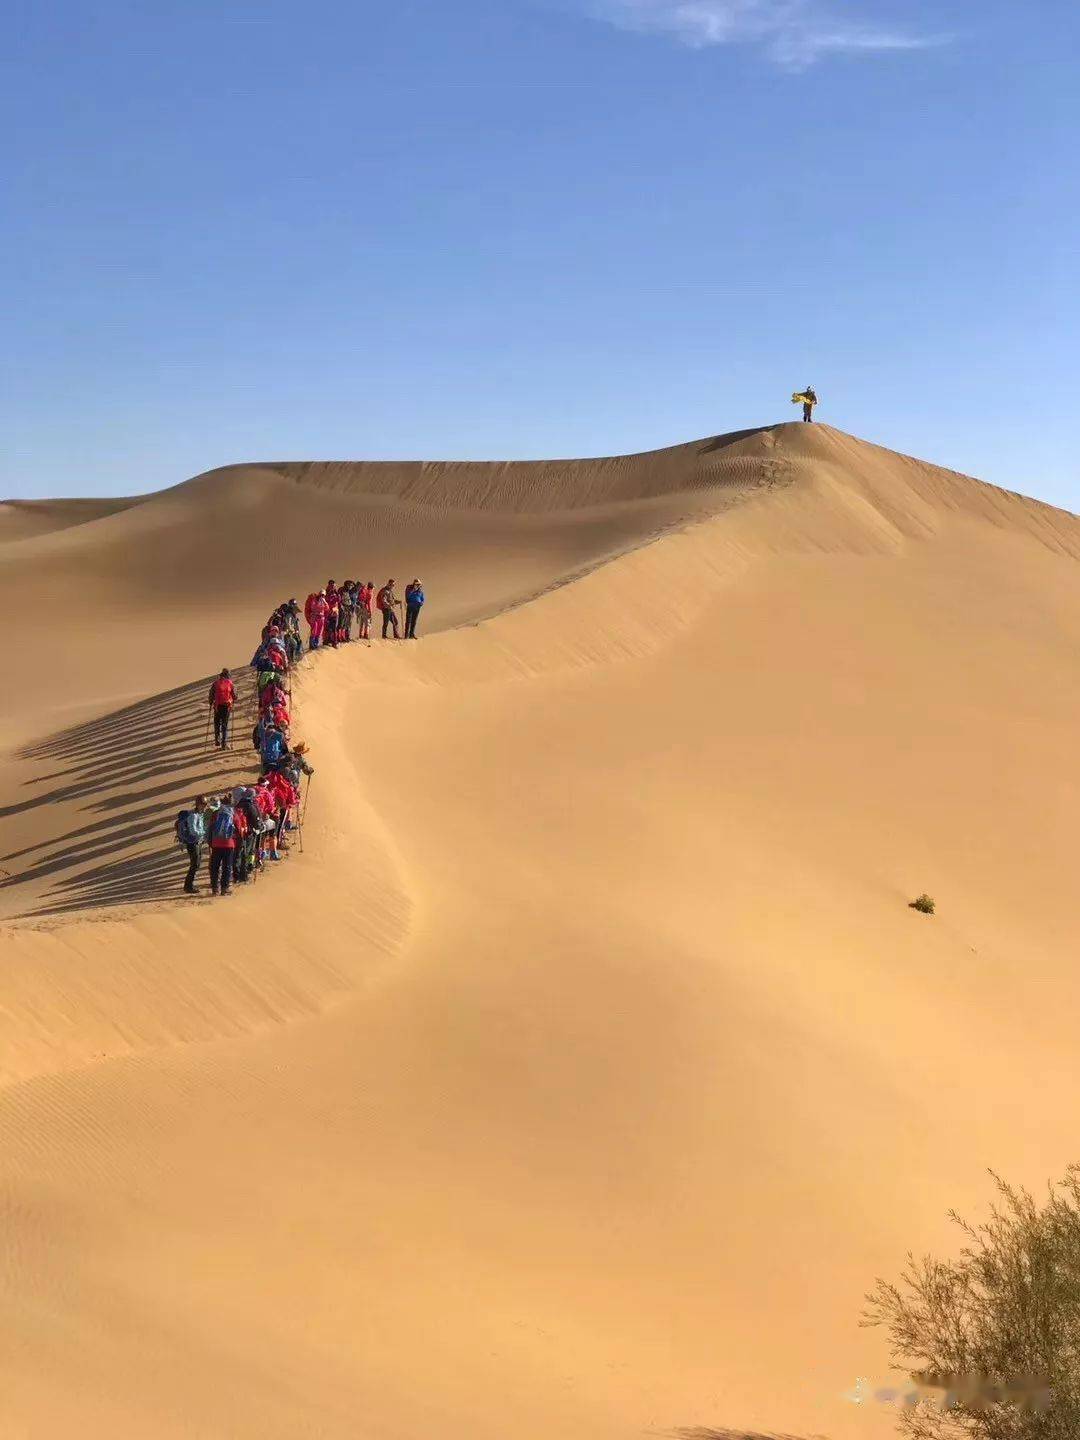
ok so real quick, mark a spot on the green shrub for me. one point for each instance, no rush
(924, 904)
(993, 1338)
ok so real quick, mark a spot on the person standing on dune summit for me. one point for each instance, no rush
(809, 401)
(364, 602)
(414, 600)
(389, 604)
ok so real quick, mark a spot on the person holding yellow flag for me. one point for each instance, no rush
(808, 399)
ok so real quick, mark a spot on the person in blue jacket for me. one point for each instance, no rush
(414, 601)
(274, 749)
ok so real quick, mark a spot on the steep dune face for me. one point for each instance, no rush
(590, 1064)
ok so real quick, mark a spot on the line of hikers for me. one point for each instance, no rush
(331, 611)
(245, 828)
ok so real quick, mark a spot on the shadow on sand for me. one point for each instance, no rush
(128, 773)
(706, 1434)
(721, 442)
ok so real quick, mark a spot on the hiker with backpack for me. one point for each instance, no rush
(414, 600)
(249, 851)
(345, 612)
(271, 656)
(272, 694)
(286, 794)
(298, 763)
(333, 605)
(266, 804)
(389, 604)
(279, 715)
(221, 699)
(277, 656)
(273, 748)
(223, 834)
(241, 854)
(316, 618)
(364, 598)
(190, 835)
(290, 631)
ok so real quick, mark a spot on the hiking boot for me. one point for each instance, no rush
(213, 890)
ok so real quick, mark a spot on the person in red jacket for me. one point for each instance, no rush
(317, 619)
(286, 795)
(241, 857)
(222, 698)
(273, 694)
(267, 803)
(365, 596)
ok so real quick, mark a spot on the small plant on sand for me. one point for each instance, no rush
(993, 1339)
(924, 904)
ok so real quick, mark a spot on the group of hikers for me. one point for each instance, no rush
(331, 611)
(245, 828)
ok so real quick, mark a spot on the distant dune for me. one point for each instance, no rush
(587, 1067)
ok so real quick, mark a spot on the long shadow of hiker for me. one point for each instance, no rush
(154, 751)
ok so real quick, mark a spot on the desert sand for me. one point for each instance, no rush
(582, 1074)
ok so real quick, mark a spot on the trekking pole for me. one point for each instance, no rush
(307, 796)
(206, 737)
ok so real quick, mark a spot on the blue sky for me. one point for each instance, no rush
(516, 228)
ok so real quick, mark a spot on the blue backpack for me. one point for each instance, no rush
(224, 827)
(189, 828)
(273, 748)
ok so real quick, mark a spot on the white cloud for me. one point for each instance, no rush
(795, 33)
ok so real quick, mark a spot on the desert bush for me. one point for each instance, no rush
(924, 904)
(995, 1334)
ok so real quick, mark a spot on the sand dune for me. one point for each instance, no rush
(588, 1066)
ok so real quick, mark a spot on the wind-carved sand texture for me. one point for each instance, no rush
(585, 1070)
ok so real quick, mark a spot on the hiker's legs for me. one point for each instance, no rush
(412, 614)
(215, 869)
(227, 858)
(808, 413)
(194, 860)
(389, 617)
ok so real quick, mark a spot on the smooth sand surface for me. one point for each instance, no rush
(589, 1065)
